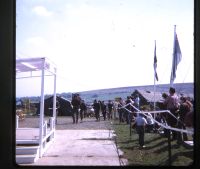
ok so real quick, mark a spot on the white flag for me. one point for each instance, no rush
(176, 58)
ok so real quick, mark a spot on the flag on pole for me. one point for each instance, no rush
(176, 58)
(155, 64)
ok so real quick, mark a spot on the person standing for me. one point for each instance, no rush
(185, 108)
(83, 109)
(103, 109)
(150, 123)
(137, 102)
(130, 108)
(110, 109)
(172, 104)
(96, 107)
(121, 110)
(140, 128)
(76, 105)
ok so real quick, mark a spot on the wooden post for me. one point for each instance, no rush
(169, 146)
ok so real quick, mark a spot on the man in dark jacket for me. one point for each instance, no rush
(110, 109)
(103, 109)
(96, 107)
(172, 104)
(76, 105)
(83, 109)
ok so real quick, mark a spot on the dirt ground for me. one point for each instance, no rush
(66, 123)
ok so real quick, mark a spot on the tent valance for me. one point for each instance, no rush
(35, 64)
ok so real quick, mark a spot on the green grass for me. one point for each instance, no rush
(156, 151)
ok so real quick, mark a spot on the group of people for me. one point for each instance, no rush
(181, 113)
(79, 108)
(180, 116)
(124, 108)
(106, 109)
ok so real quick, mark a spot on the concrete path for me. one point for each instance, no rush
(82, 148)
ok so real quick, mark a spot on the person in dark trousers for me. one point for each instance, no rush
(140, 128)
(110, 109)
(172, 104)
(150, 123)
(129, 107)
(83, 109)
(103, 109)
(185, 107)
(121, 110)
(96, 107)
(76, 105)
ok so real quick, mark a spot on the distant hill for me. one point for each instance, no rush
(112, 93)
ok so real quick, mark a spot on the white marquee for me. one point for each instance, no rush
(38, 67)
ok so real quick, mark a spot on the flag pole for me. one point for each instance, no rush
(171, 81)
(154, 104)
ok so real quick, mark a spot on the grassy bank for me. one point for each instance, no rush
(156, 151)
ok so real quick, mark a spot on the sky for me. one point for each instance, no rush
(98, 44)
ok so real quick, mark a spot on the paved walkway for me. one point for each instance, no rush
(82, 147)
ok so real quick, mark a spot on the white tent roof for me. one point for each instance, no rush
(34, 64)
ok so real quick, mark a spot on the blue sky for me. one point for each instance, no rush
(104, 43)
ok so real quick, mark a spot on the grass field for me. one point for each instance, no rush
(156, 151)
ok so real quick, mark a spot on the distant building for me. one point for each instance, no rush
(147, 97)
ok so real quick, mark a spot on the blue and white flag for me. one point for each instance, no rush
(155, 64)
(176, 58)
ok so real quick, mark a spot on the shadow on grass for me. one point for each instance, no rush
(156, 145)
(127, 142)
(188, 154)
(187, 146)
(165, 148)
(153, 140)
(132, 147)
(175, 157)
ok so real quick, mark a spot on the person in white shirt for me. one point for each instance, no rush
(140, 128)
(150, 122)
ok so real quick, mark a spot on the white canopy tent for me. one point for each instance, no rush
(39, 67)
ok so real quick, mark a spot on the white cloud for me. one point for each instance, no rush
(42, 11)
